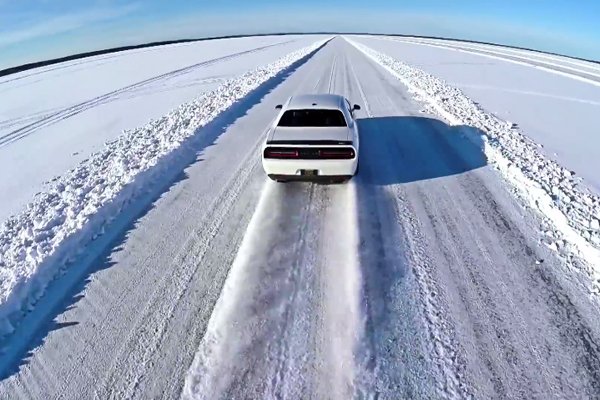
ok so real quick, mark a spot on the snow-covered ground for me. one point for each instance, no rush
(53, 118)
(75, 207)
(584, 71)
(558, 111)
(182, 271)
(571, 210)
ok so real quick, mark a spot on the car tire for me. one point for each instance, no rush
(277, 179)
(340, 181)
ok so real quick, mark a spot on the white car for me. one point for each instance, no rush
(314, 137)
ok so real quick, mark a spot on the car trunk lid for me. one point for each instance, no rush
(308, 135)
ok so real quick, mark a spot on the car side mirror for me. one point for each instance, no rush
(279, 106)
(355, 107)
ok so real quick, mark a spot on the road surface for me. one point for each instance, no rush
(421, 278)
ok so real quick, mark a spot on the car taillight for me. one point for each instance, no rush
(281, 153)
(342, 153)
(310, 153)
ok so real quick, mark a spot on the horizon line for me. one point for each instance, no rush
(102, 51)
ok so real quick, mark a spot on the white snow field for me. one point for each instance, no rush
(53, 118)
(553, 100)
(168, 266)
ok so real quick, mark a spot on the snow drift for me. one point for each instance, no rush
(55, 227)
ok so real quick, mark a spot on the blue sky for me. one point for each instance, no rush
(32, 30)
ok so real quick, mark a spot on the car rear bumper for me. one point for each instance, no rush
(293, 169)
(317, 179)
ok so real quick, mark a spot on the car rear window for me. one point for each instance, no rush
(321, 118)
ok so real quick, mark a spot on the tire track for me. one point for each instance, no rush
(332, 75)
(283, 357)
(68, 112)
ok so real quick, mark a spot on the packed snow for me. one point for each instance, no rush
(60, 221)
(572, 210)
(55, 117)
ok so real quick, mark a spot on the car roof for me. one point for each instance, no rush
(317, 101)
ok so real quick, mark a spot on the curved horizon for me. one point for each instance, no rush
(41, 30)
(101, 51)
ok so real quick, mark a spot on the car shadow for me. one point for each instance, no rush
(403, 149)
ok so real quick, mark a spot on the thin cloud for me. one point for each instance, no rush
(65, 23)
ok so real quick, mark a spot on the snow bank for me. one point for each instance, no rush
(46, 130)
(55, 227)
(572, 212)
